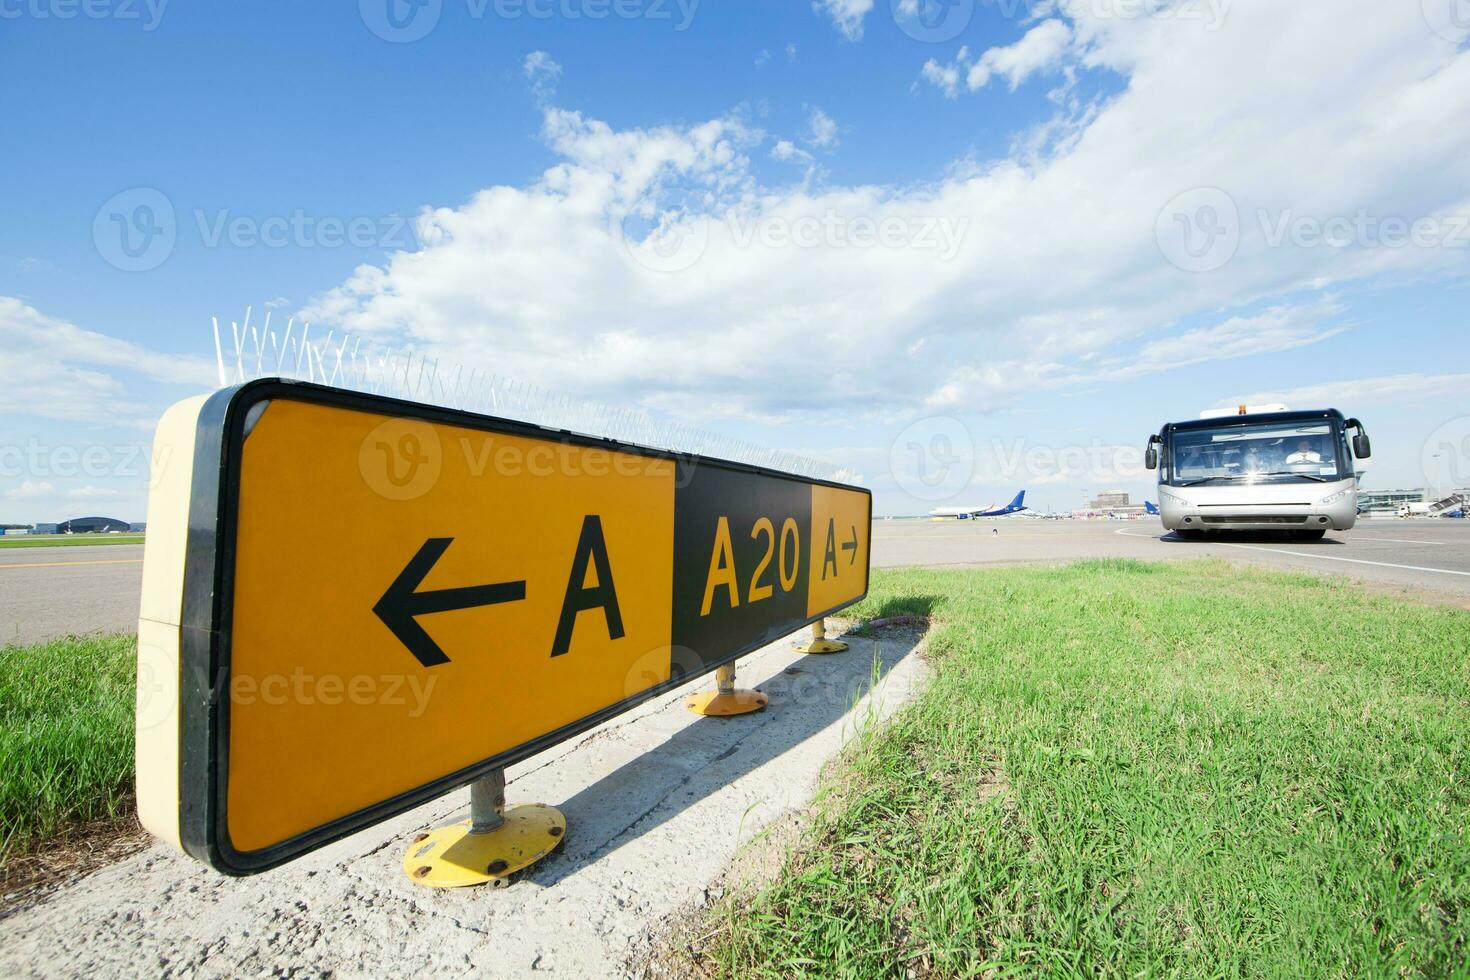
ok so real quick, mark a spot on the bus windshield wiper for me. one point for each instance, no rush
(1304, 476)
(1201, 481)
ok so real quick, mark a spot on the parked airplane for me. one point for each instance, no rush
(965, 513)
(1150, 508)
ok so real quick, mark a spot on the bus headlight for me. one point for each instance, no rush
(1165, 495)
(1334, 498)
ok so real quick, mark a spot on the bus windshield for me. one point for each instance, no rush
(1270, 453)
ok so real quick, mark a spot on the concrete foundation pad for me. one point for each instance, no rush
(657, 801)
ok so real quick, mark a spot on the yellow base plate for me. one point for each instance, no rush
(823, 646)
(735, 703)
(452, 857)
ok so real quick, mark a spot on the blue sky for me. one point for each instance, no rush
(1035, 163)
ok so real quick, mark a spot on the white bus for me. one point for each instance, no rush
(1259, 469)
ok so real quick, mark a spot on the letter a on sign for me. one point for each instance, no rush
(591, 547)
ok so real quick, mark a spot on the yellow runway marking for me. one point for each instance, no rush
(65, 564)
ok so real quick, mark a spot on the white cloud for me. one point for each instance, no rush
(791, 51)
(821, 130)
(946, 78)
(788, 152)
(542, 71)
(1040, 50)
(1275, 330)
(58, 370)
(847, 15)
(1059, 279)
(1395, 388)
(31, 490)
(92, 493)
(1045, 48)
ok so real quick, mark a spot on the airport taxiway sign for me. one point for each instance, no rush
(353, 604)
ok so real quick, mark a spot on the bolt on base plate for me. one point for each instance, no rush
(453, 857)
(820, 643)
(725, 703)
(823, 646)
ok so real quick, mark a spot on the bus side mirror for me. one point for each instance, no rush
(1362, 447)
(1151, 458)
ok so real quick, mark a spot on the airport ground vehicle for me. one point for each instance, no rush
(1260, 469)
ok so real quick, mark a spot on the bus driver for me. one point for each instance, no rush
(1304, 454)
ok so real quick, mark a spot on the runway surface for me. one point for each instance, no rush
(46, 592)
(1432, 556)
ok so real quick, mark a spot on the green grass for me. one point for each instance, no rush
(1118, 768)
(67, 540)
(66, 735)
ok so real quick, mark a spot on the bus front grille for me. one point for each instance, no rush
(1254, 519)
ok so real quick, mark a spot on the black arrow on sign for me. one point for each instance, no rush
(401, 603)
(851, 546)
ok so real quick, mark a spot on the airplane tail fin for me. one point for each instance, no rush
(1019, 502)
(1150, 507)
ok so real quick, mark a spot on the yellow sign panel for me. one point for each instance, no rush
(396, 598)
(841, 520)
